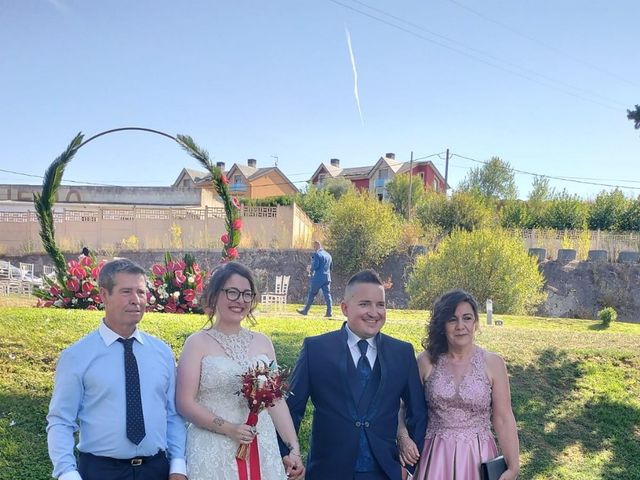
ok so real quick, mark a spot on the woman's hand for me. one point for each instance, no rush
(408, 451)
(241, 433)
(509, 475)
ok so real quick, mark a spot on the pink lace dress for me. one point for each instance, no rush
(459, 434)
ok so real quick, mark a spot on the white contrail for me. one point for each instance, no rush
(355, 74)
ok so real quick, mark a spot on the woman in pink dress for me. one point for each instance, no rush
(467, 390)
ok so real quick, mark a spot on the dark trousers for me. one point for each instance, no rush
(314, 287)
(92, 467)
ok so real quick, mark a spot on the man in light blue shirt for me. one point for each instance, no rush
(94, 394)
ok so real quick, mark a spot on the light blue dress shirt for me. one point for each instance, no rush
(89, 395)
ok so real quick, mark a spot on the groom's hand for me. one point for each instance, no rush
(293, 467)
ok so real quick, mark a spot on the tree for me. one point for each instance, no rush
(494, 180)
(317, 204)
(398, 191)
(630, 220)
(362, 232)
(489, 263)
(515, 214)
(539, 201)
(607, 211)
(634, 116)
(566, 211)
(337, 186)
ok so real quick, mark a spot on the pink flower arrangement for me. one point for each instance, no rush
(173, 287)
(79, 289)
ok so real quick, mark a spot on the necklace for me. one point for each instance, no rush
(235, 346)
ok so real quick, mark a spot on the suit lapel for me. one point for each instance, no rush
(345, 357)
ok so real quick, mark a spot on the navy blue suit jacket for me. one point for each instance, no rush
(321, 375)
(321, 267)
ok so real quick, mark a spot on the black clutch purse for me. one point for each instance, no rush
(492, 469)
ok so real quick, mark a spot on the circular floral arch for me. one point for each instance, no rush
(45, 200)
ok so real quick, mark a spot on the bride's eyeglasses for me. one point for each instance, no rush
(234, 294)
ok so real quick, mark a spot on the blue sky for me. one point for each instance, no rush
(544, 85)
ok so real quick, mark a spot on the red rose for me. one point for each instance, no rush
(87, 287)
(55, 291)
(236, 202)
(224, 179)
(224, 238)
(232, 252)
(237, 224)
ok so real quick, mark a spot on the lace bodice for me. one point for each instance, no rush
(462, 410)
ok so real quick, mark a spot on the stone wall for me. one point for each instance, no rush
(575, 289)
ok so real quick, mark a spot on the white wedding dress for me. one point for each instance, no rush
(211, 456)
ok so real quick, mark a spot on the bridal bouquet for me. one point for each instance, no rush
(262, 386)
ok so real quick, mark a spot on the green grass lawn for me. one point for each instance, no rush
(575, 386)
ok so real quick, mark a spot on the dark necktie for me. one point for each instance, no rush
(135, 417)
(364, 367)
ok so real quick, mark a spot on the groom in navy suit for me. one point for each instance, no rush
(356, 378)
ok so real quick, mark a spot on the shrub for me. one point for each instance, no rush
(362, 232)
(607, 211)
(488, 263)
(464, 210)
(515, 214)
(283, 200)
(566, 211)
(317, 204)
(607, 315)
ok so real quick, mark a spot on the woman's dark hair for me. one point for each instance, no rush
(216, 283)
(435, 342)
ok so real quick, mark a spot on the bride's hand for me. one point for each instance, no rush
(242, 433)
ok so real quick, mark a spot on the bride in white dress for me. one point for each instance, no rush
(208, 381)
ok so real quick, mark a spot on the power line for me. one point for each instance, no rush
(543, 44)
(70, 181)
(553, 177)
(545, 83)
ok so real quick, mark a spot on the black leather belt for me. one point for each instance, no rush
(135, 461)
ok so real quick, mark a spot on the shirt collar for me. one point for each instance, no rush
(109, 336)
(353, 339)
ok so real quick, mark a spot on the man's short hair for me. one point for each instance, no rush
(106, 279)
(365, 276)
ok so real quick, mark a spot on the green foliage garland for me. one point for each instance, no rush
(44, 205)
(45, 201)
(233, 222)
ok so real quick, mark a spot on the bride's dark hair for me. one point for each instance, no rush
(216, 283)
(435, 342)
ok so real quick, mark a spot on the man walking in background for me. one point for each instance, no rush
(320, 271)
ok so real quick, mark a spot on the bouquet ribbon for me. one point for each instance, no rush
(251, 451)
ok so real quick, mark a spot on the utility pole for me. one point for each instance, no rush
(446, 173)
(410, 185)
